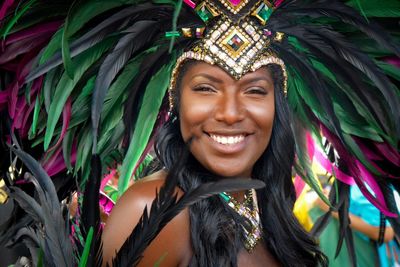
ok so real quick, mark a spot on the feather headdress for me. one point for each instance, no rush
(85, 82)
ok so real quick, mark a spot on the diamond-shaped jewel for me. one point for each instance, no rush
(259, 45)
(256, 37)
(235, 42)
(263, 12)
(205, 12)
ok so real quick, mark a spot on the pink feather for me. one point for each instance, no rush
(4, 7)
(41, 31)
(56, 163)
(278, 2)
(360, 175)
(395, 61)
(299, 185)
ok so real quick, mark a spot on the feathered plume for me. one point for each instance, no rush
(48, 213)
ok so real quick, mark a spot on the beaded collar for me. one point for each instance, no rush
(249, 210)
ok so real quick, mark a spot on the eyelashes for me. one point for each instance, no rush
(256, 91)
(249, 91)
(204, 88)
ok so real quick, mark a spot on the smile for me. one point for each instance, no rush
(228, 140)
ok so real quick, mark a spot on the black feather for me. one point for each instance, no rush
(294, 10)
(301, 63)
(324, 44)
(109, 26)
(114, 62)
(91, 214)
(56, 244)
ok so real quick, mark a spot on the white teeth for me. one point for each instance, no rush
(227, 140)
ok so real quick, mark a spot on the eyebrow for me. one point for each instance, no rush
(207, 76)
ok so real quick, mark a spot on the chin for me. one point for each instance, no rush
(230, 171)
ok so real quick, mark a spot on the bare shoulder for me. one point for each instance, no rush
(126, 214)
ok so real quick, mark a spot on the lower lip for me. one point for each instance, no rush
(229, 149)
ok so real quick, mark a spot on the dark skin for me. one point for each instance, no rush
(231, 123)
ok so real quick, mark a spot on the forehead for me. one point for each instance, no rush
(197, 68)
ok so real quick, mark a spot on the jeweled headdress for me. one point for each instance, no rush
(89, 81)
(233, 38)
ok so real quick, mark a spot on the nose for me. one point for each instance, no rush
(229, 109)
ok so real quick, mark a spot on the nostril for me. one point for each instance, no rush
(229, 111)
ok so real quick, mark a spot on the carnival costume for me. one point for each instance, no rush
(86, 85)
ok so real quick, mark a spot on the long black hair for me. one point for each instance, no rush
(216, 238)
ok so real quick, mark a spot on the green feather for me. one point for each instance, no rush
(147, 160)
(66, 55)
(7, 28)
(121, 84)
(35, 118)
(66, 85)
(81, 104)
(352, 146)
(81, 14)
(302, 167)
(354, 125)
(53, 46)
(390, 70)
(177, 11)
(111, 192)
(152, 100)
(111, 140)
(83, 153)
(40, 258)
(67, 147)
(86, 249)
(386, 8)
(48, 88)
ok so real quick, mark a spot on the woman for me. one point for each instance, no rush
(227, 104)
(238, 65)
(237, 129)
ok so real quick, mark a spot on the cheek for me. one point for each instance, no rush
(193, 112)
(263, 112)
(264, 118)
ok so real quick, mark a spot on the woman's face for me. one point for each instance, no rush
(229, 120)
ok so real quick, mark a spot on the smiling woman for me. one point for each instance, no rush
(225, 91)
(234, 129)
